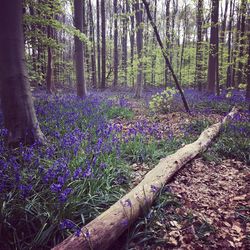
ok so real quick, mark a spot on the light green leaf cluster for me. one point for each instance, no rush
(161, 102)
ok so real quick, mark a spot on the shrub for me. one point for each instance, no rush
(161, 102)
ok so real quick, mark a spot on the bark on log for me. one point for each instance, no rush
(106, 228)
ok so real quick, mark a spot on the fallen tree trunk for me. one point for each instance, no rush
(106, 228)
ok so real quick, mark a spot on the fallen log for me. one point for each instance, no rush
(106, 228)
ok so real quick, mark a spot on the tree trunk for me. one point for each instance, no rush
(139, 44)
(92, 37)
(198, 69)
(213, 50)
(178, 86)
(49, 73)
(16, 100)
(152, 82)
(184, 40)
(116, 56)
(248, 67)
(124, 41)
(222, 34)
(167, 38)
(80, 80)
(98, 43)
(106, 228)
(174, 12)
(229, 50)
(103, 22)
(242, 40)
(132, 44)
(236, 49)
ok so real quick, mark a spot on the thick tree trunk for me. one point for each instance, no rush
(213, 50)
(106, 228)
(80, 81)
(17, 104)
(198, 69)
(178, 86)
(103, 23)
(139, 44)
(116, 57)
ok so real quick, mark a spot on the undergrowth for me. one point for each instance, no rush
(47, 193)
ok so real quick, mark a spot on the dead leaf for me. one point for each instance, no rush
(227, 224)
(172, 241)
(236, 228)
(174, 223)
(240, 198)
(231, 243)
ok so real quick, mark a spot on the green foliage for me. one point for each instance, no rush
(147, 230)
(161, 102)
(233, 142)
(121, 112)
(230, 145)
(140, 150)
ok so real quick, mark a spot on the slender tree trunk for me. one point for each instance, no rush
(236, 50)
(103, 22)
(213, 50)
(145, 47)
(167, 38)
(98, 43)
(80, 80)
(198, 69)
(222, 34)
(178, 86)
(153, 48)
(242, 40)
(139, 44)
(33, 41)
(16, 100)
(132, 44)
(124, 41)
(49, 73)
(174, 12)
(248, 66)
(116, 56)
(229, 57)
(92, 37)
(184, 40)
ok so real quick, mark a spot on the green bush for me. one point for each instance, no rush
(161, 102)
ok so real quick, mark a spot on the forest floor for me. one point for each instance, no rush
(102, 146)
(205, 206)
